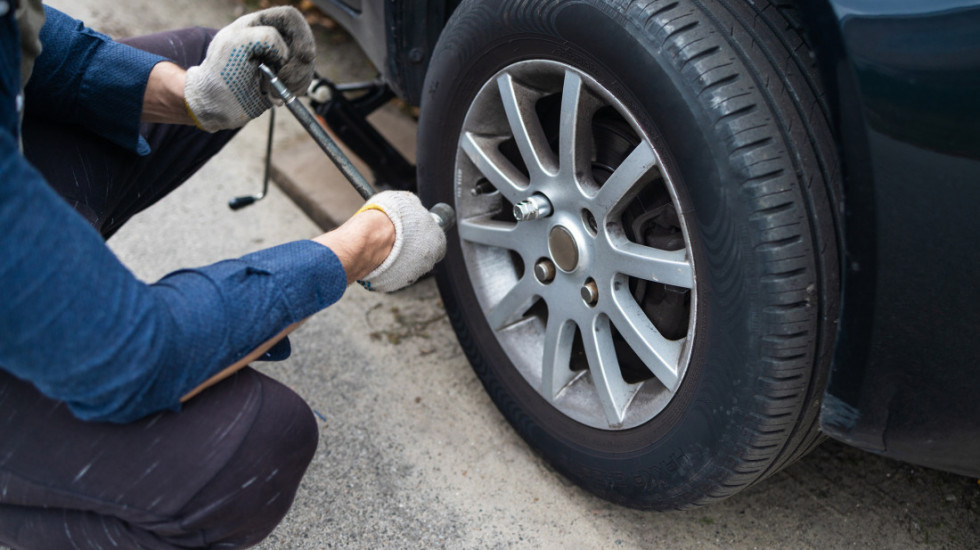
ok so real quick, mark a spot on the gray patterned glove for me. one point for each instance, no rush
(419, 241)
(226, 90)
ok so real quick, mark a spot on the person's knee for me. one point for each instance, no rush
(289, 422)
(198, 39)
(258, 485)
(285, 437)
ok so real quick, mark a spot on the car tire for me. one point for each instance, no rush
(659, 325)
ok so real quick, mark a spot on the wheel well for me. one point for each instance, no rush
(413, 30)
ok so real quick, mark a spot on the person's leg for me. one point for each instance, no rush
(219, 474)
(108, 184)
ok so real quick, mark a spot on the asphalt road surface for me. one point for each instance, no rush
(414, 455)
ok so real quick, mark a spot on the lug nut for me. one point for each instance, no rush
(590, 292)
(544, 271)
(534, 207)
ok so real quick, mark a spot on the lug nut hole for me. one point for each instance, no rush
(482, 187)
(589, 221)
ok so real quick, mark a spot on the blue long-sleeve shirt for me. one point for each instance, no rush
(73, 320)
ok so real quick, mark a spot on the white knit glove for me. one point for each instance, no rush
(419, 241)
(226, 90)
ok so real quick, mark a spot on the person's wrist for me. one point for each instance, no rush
(362, 243)
(378, 234)
(163, 100)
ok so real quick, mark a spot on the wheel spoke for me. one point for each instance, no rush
(513, 305)
(670, 267)
(526, 127)
(490, 232)
(622, 184)
(573, 139)
(499, 171)
(613, 392)
(556, 371)
(660, 355)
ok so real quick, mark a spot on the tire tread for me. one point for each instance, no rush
(772, 26)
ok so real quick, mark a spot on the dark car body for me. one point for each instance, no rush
(903, 79)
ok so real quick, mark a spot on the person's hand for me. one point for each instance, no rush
(226, 90)
(419, 241)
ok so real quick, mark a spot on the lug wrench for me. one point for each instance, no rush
(442, 213)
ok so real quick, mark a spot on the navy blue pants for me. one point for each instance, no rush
(221, 473)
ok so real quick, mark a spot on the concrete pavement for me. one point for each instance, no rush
(414, 455)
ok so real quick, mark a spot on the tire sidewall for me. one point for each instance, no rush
(683, 450)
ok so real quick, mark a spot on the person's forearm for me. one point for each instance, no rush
(361, 244)
(241, 363)
(164, 97)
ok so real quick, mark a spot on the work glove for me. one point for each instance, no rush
(419, 241)
(226, 89)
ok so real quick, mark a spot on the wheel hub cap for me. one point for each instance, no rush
(563, 248)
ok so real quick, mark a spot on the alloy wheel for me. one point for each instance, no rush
(575, 244)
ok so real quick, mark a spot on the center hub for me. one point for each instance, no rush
(563, 248)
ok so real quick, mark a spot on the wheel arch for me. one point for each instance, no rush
(398, 37)
(855, 234)
(876, 374)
